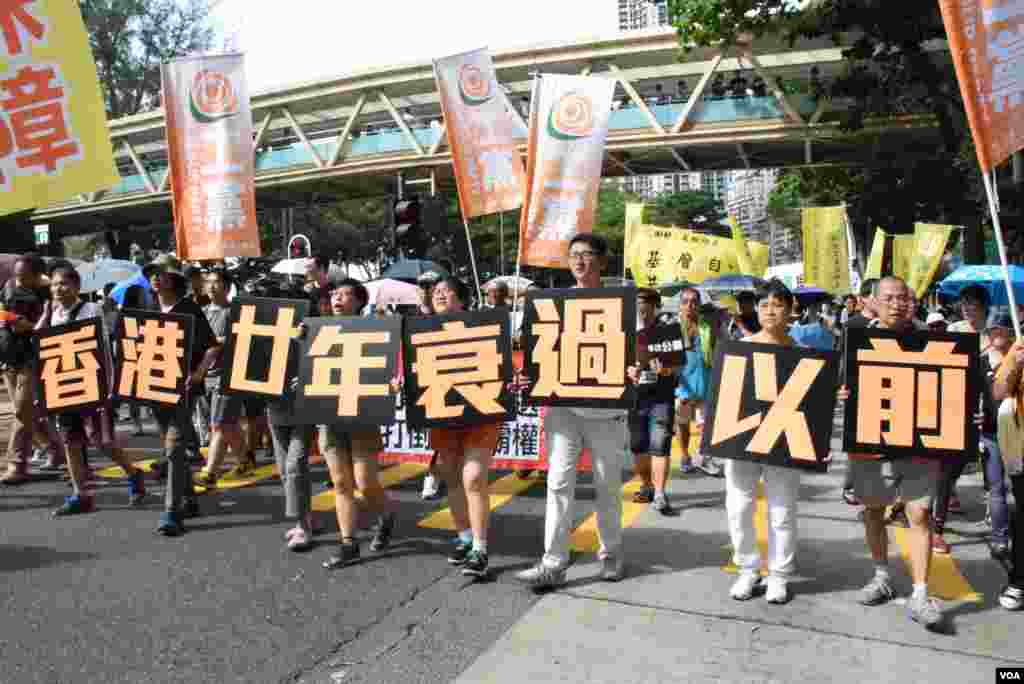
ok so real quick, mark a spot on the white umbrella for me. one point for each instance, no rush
(297, 267)
(510, 280)
(390, 291)
(96, 274)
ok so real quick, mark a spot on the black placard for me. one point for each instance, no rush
(346, 365)
(912, 393)
(664, 342)
(457, 369)
(258, 349)
(771, 404)
(600, 326)
(73, 368)
(165, 339)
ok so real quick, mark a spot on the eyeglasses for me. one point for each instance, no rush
(898, 299)
(584, 256)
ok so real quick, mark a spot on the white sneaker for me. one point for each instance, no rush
(743, 588)
(431, 487)
(776, 591)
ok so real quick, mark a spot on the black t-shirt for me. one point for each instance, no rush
(989, 409)
(857, 320)
(203, 338)
(665, 388)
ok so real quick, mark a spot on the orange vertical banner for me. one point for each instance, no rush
(568, 129)
(488, 170)
(209, 145)
(986, 39)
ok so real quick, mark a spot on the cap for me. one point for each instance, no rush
(648, 294)
(935, 317)
(428, 278)
(163, 263)
(1000, 320)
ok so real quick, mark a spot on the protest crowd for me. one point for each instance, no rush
(668, 398)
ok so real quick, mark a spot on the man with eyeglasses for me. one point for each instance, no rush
(878, 482)
(567, 431)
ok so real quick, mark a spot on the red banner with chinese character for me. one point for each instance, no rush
(568, 129)
(488, 171)
(54, 141)
(209, 144)
(986, 39)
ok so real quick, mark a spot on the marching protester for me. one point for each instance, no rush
(497, 295)
(1000, 332)
(936, 322)
(175, 423)
(878, 481)
(781, 485)
(700, 336)
(744, 323)
(651, 421)
(24, 298)
(1009, 393)
(567, 431)
(861, 319)
(425, 307)
(134, 298)
(95, 425)
(317, 269)
(225, 410)
(351, 456)
(464, 458)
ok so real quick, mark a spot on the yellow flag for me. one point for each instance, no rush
(826, 252)
(740, 245)
(758, 258)
(929, 245)
(634, 218)
(658, 256)
(54, 141)
(874, 269)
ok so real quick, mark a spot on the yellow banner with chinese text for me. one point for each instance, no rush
(658, 256)
(826, 251)
(54, 141)
(915, 257)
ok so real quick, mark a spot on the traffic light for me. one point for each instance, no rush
(408, 231)
(299, 247)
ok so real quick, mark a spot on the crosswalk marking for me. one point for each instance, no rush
(389, 477)
(501, 492)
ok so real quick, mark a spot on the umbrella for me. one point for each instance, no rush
(96, 274)
(117, 294)
(988, 276)
(672, 289)
(510, 280)
(389, 291)
(731, 283)
(411, 269)
(810, 294)
(297, 267)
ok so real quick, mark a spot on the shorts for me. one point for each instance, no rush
(650, 428)
(94, 427)
(913, 480)
(459, 440)
(689, 411)
(361, 444)
(226, 409)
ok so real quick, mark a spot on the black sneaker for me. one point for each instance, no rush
(382, 537)
(348, 555)
(460, 553)
(476, 563)
(191, 508)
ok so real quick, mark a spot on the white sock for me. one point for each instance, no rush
(882, 571)
(480, 546)
(659, 492)
(466, 536)
(920, 591)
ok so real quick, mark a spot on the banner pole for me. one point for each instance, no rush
(1001, 247)
(501, 239)
(472, 261)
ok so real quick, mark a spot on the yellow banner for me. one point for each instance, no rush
(54, 142)
(929, 245)
(758, 258)
(659, 256)
(826, 252)
(874, 269)
(740, 244)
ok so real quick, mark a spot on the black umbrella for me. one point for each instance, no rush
(411, 269)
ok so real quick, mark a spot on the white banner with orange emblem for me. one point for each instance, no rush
(488, 170)
(209, 143)
(568, 128)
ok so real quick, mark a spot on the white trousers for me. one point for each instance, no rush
(781, 489)
(565, 435)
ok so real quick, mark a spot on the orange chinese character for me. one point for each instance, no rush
(350, 362)
(592, 347)
(15, 20)
(38, 117)
(70, 371)
(282, 332)
(466, 360)
(153, 360)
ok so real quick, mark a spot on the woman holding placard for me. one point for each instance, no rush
(781, 485)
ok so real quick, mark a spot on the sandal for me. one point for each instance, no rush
(300, 541)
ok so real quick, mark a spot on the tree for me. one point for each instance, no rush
(130, 39)
(888, 71)
(686, 209)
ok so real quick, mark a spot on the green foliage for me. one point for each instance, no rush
(129, 40)
(686, 209)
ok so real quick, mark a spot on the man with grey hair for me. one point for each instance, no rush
(878, 482)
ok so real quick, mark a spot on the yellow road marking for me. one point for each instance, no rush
(501, 491)
(944, 577)
(585, 539)
(389, 477)
(116, 472)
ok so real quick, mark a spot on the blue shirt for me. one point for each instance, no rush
(693, 376)
(813, 335)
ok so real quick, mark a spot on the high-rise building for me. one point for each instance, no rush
(747, 200)
(635, 15)
(650, 186)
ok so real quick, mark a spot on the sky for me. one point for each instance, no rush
(303, 40)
